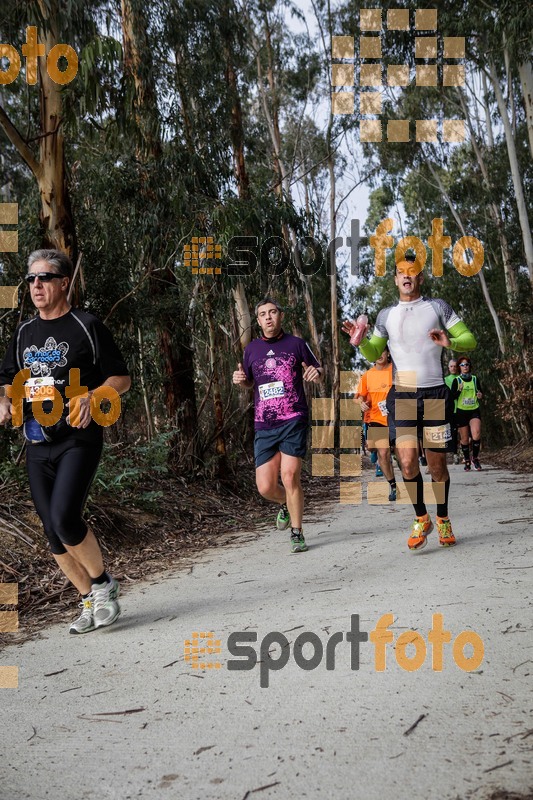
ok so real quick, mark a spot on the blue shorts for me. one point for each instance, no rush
(290, 439)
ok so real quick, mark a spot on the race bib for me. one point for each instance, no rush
(382, 405)
(438, 434)
(268, 391)
(39, 389)
(469, 401)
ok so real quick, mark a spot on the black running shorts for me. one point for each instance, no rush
(60, 476)
(426, 414)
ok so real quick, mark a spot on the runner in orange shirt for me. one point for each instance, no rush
(372, 392)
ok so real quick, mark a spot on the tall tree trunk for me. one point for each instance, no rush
(138, 66)
(525, 71)
(511, 281)
(515, 172)
(218, 407)
(173, 336)
(283, 185)
(49, 168)
(150, 429)
(480, 275)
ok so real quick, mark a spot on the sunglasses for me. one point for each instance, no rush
(44, 277)
(464, 364)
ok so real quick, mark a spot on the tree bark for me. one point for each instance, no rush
(480, 275)
(176, 353)
(515, 172)
(511, 281)
(525, 71)
(49, 168)
(218, 407)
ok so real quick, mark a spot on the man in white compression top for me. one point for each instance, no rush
(419, 402)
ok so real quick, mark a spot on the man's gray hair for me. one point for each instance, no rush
(265, 301)
(55, 258)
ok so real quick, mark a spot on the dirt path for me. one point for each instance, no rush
(120, 714)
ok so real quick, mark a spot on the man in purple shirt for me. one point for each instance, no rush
(276, 366)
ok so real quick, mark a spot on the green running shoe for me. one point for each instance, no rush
(283, 519)
(298, 544)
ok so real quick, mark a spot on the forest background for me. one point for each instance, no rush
(206, 118)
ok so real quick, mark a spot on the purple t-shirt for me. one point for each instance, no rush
(275, 366)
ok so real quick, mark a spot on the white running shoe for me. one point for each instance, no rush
(85, 622)
(106, 607)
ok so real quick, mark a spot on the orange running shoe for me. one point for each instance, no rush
(446, 537)
(422, 527)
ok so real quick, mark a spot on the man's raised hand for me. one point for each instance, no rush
(310, 374)
(239, 376)
(439, 337)
(5, 410)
